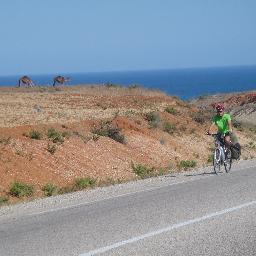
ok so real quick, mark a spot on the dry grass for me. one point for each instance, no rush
(44, 105)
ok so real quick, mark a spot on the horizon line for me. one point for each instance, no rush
(133, 70)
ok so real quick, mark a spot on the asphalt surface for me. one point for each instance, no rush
(192, 213)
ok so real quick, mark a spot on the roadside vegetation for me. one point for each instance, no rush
(85, 182)
(143, 171)
(20, 189)
(186, 164)
(50, 189)
(79, 184)
(3, 200)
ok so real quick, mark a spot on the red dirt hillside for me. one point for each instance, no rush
(242, 106)
(55, 135)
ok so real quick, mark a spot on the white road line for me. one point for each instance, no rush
(167, 229)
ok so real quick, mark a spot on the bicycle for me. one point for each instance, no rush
(222, 154)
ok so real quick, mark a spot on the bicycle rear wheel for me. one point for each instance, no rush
(228, 161)
(216, 161)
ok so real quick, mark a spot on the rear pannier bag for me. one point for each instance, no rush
(235, 150)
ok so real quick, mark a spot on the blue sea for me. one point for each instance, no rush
(184, 83)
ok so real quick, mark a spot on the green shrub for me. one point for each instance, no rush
(81, 183)
(171, 110)
(50, 189)
(51, 148)
(168, 127)
(3, 200)
(185, 164)
(20, 189)
(107, 130)
(153, 119)
(36, 135)
(143, 171)
(55, 135)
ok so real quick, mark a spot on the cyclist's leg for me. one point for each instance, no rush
(228, 143)
(227, 140)
(220, 138)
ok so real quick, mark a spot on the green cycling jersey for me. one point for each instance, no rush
(222, 123)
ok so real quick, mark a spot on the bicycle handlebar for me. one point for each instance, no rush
(212, 134)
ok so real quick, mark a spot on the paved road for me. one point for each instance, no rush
(194, 213)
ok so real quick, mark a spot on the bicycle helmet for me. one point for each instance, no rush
(219, 107)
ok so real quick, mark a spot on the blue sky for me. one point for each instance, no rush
(64, 36)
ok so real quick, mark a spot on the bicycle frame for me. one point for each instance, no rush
(221, 155)
(219, 146)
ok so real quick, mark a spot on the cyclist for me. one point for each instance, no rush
(223, 122)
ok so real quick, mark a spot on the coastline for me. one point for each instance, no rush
(184, 83)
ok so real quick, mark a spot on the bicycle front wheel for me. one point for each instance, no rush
(228, 161)
(216, 161)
